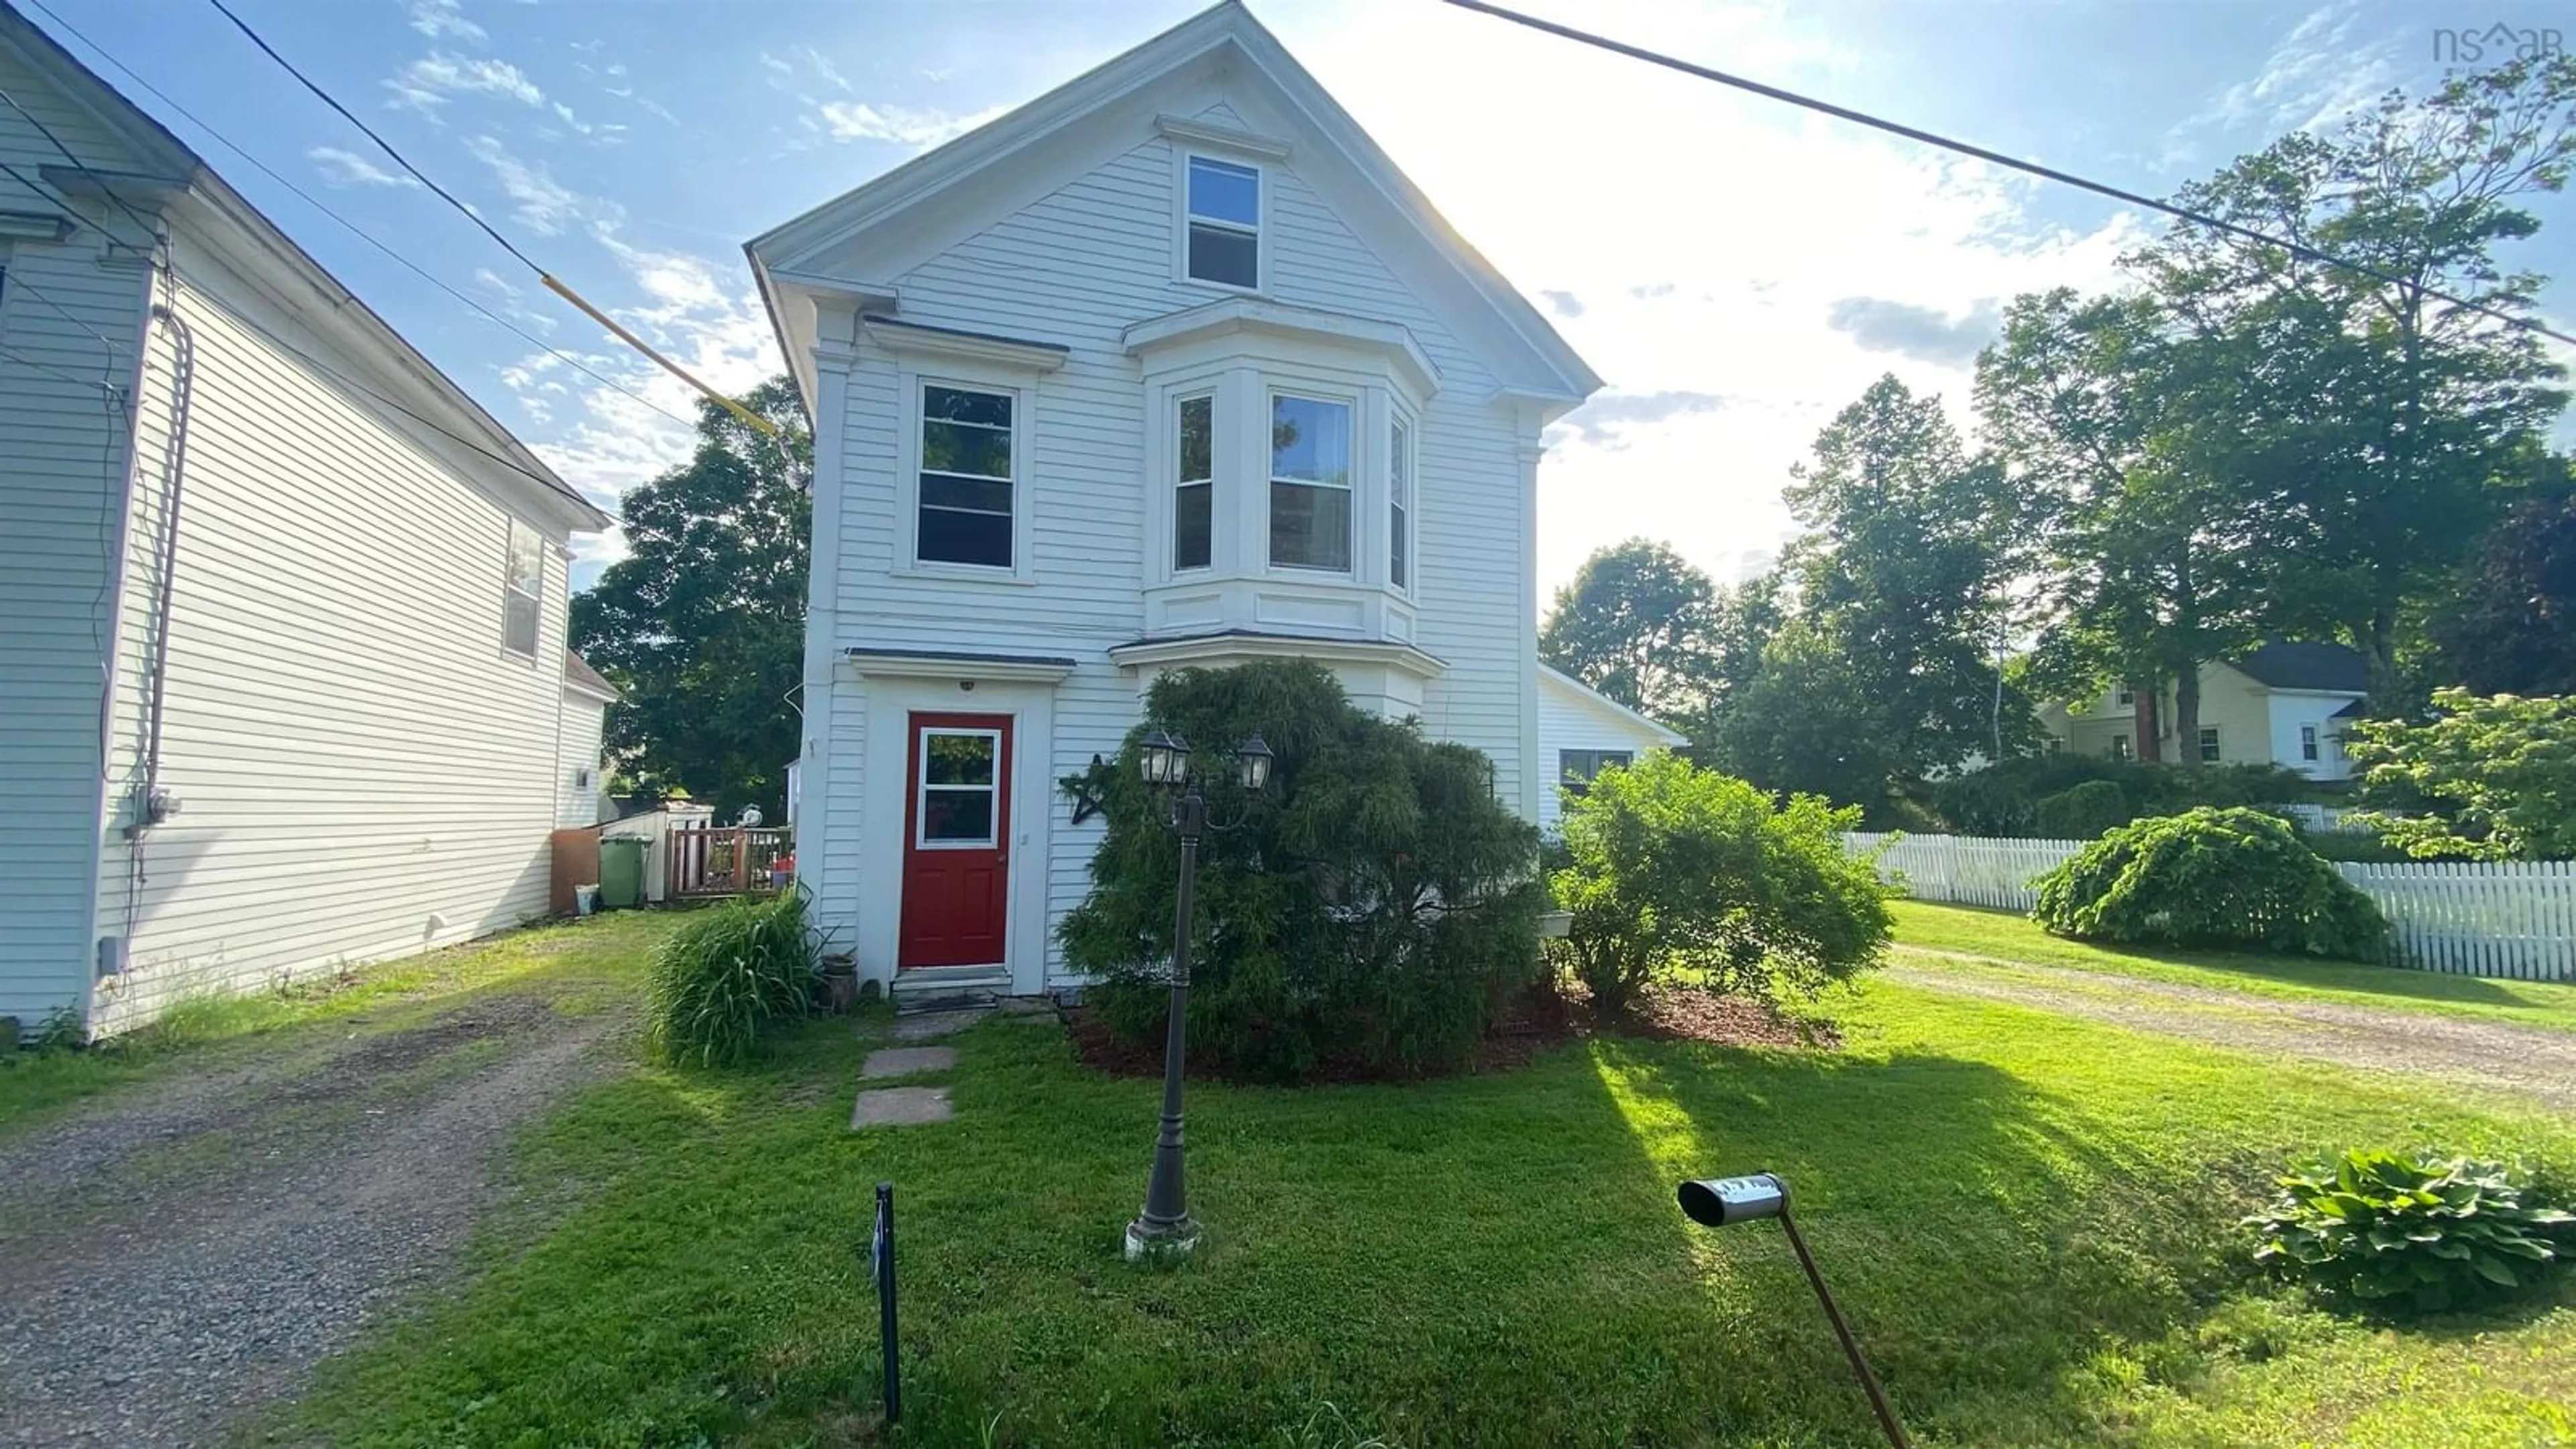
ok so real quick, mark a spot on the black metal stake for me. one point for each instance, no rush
(1165, 1222)
(881, 1252)
(1851, 1346)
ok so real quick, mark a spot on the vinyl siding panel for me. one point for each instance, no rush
(577, 750)
(1568, 722)
(363, 770)
(70, 314)
(1076, 268)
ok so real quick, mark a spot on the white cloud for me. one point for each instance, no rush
(2313, 77)
(859, 121)
(442, 19)
(429, 82)
(347, 168)
(539, 201)
(824, 68)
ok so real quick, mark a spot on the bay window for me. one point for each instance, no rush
(1310, 483)
(1194, 492)
(1399, 504)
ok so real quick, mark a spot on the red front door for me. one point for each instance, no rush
(956, 841)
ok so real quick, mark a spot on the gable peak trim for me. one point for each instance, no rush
(1192, 131)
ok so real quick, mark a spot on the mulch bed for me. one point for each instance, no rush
(1544, 1018)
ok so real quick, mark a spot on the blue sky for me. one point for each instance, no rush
(1738, 270)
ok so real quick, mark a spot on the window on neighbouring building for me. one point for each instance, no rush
(2307, 742)
(1576, 769)
(1224, 223)
(2124, 697)
(966, 476)
(1310, 483)
(1194, 498)
(522, 590)
(2209, 745)
(1399, 504)
(2119, 747)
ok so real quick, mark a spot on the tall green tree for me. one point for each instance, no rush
(2510, 628)
(702, 625)
(2404, 414)
(1637, 624)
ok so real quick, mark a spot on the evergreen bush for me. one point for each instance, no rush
(1677, 869)
(1370, 911)
(2083, 812)
(2210, 877)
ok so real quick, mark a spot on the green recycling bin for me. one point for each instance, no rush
(621, 873)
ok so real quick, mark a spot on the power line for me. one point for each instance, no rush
(19, 284)
(756, 421)
(83, 167)
(2032, 168)
(351, 227)
(24, 360)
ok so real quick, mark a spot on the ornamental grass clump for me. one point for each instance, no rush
(729, 975)
(2400, 1233)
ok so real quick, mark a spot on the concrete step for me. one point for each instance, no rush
(949, 988)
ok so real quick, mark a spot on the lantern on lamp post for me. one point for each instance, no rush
(1164, 1229)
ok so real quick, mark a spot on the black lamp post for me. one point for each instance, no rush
(1165, 1229)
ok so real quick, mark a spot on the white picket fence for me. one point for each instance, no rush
(2474, 918)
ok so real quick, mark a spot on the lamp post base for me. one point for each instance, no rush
(1161, 1242)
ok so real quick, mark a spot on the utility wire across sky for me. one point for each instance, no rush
(1997, 158)
(754, 419)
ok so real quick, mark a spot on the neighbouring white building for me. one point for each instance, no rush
(1170, 366)
(282, 673)
(2282, 704)
(1584, 733)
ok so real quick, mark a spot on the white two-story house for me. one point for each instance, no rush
(2283, 703)
(1169, 367)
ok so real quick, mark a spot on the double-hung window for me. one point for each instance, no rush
(1310, 483)
(967, 476)
(1224, 222)
(1399, 505)
(522, 590)
(1194, 495)
(2209, 745)
(1577, 769)
(2308, 742)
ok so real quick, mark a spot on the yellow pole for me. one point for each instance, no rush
(673, 368)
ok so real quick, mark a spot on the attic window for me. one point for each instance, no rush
(1224, 219)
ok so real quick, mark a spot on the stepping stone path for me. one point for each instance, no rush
(909, 1106)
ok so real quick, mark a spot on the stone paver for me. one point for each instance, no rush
(930, 1025)
(900, 1107)
(905, 1061)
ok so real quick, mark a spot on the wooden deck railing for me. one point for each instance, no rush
(730, 861)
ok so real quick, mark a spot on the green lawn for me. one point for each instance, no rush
(2029, 1220)
(579, 965)
(2010, 937)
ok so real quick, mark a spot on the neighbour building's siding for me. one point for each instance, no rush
(577, 760)
(2291, 709)
(2238, 708)
(363, 770)
(1077, 268)
(70, 315)
(1568, 721)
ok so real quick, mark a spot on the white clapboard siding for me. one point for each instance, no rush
(1077, 267)
(577, 752)
(70, 313)
(2478, 918)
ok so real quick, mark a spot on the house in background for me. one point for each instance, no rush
(1584, 732)
(2283, 704)
(282, 672)
(1169, 367)
(587, 694)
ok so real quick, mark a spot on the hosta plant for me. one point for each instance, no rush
(2401, 1232)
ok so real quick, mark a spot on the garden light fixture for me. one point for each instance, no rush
(1719, 1202)
(1165, 1230)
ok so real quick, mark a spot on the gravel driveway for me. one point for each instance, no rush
(2493, 1056)
(177, 1258)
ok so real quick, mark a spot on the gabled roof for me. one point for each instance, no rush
(181, 180)
(2284, 665)
(578, 675)
(860, 242)
(1585, 695)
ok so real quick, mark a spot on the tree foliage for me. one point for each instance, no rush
(702, 625)
(1677, 869)
(2510, 628)
(2210, 877)
(1372, 909)
(1637, 623)
(2488, 778)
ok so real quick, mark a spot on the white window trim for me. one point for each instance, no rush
(1398, 416)
(1363, 538)
(2210, 748)
(1176, 399)
(921, 786)
(1181, 157)
(509, 556)
(2312, 743)
(907, 546)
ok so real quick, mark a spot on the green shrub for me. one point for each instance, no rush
(1371, 910)
(2407, 1232)
(2083, 811)
(2486, 779)
(1681, 869)
(729, 974)
(2210, 877)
